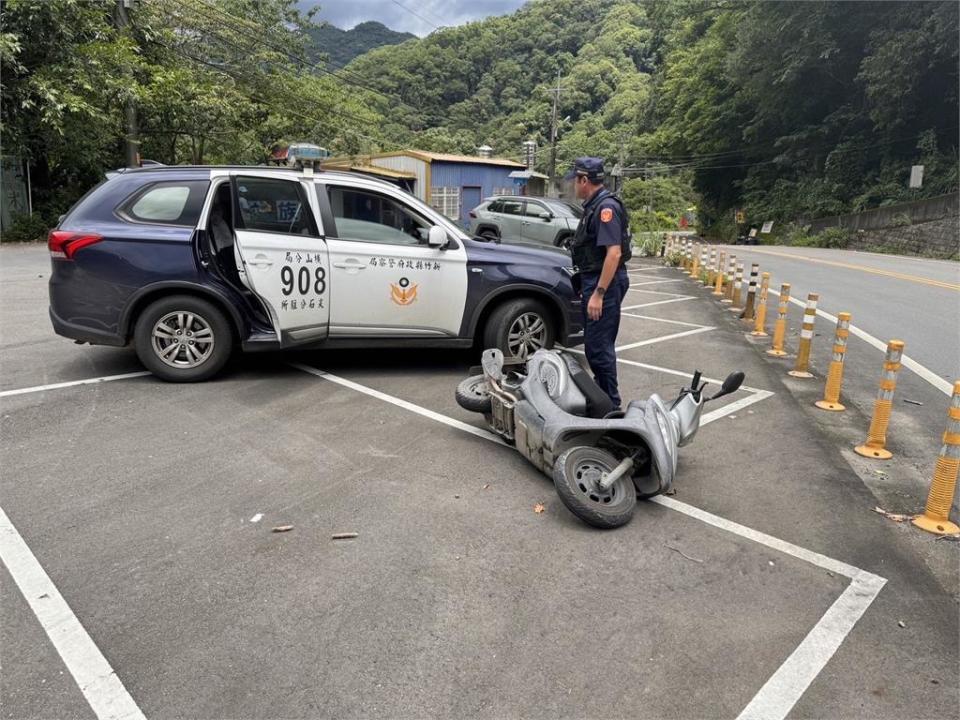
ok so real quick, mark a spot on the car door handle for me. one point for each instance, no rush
(261, 261)
(350, 264)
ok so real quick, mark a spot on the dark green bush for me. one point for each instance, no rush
(26, 228)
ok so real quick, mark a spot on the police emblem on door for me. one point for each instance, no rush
(403, 292)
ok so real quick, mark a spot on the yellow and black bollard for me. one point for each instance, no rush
(936, 516)
(695, 266)
(876, 444)
(780, 326)
(831, 392)
(802, 367)
(718, 278)
(760, 321)
(749, 310)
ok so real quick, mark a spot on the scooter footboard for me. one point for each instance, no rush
(501, 413)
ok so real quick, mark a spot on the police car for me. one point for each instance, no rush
(187, 263)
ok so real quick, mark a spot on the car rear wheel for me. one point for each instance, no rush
(519, 328)
(183, 339)
(490, 235)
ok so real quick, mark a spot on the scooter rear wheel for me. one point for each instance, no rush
(575, 475)
(473, 394)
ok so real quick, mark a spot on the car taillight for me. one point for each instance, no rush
(473, 214)
(65, 243)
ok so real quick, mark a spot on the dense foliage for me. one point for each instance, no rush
(788, 110)
(338, 47)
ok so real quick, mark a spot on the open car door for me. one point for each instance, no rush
(281, 255)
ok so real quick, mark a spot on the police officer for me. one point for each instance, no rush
(600, 249)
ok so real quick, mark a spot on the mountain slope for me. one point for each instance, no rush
(342, 46)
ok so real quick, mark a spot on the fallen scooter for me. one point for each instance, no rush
(557, 417)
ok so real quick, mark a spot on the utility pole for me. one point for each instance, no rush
(133, 133)
(553, 135)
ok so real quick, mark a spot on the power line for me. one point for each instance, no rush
(413, 12)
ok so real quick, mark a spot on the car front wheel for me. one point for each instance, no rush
(519, 328)
(183, 339)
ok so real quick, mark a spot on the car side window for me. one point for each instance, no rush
(367, 216)
(536, 210)
(512, 207)
(274, 206)
(167, 203)
(496, 206)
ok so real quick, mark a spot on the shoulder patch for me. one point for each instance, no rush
(606, 215)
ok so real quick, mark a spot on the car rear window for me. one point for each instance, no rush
(168, 203)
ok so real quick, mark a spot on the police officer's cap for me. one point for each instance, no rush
(590, 167)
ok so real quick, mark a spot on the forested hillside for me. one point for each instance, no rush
(785, 109)
(339, 47)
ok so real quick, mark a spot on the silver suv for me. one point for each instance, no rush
(525, 219)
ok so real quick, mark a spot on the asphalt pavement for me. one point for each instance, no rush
(767, 584)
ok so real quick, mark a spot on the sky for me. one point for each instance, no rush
(420, 17)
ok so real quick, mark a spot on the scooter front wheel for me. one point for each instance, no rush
(473, 394)
(576, 475)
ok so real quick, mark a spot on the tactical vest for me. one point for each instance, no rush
(587, 256)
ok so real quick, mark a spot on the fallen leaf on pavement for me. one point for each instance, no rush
(283, 528)
(539, 508)
(486, 486)
(901, 623)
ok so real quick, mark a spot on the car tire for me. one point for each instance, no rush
(473, 394)
(562, 240)
(162, 338)
(490, 235)
(598, 509)
(520, 316)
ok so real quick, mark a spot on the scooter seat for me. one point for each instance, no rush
(598, 402)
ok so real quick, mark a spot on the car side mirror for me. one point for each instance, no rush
(436, 236)
(730, 385)
(547, 218)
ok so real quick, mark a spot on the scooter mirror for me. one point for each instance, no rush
(731, 384)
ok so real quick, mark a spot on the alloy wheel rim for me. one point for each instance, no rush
(527, 334)
(182, 339)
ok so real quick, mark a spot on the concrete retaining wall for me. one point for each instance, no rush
(939, 238)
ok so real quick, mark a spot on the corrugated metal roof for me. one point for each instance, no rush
(371, 169)
(446, 157)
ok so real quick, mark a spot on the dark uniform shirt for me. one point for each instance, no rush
(602, 219)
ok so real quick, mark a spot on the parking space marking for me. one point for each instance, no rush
(658, 302)
(73, 383)
(642, 269)
(98, 682)
(786, 686)
(664, 338)
(662, 320)
(657, 292)
(656, 282)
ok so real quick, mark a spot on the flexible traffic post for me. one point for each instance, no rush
(780, 326)
(695, 269)
(936, 516)
(731, 272)
(802, 367)
(737, 286)
(711, 268)
(759, 322)
(704, 267)
(876, 444)
(831, 392)
(718, 277)
(748, 309)
(687, 263)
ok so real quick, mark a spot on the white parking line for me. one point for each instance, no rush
(73, 383)
(657, 292)
(662, 320)
(658, 302)
(790, 681)
(656, 282)
(98, 682)
(931, 377)
(664, 338)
